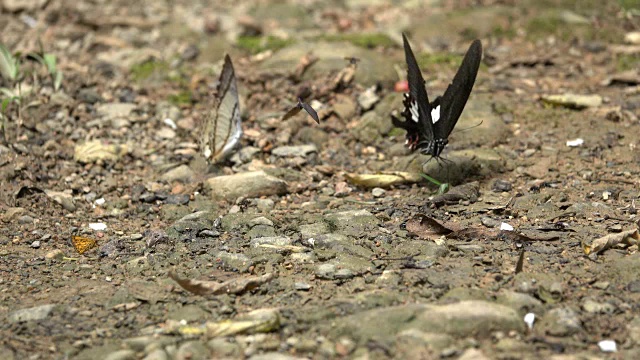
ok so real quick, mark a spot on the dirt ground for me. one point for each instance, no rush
(310, 258)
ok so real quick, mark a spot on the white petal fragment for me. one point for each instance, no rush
(575, 142)
(506, 227)
(97, 226)
(529, 319)
(607, 346)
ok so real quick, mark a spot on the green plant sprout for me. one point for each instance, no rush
(50, 62)
(442, 187)
(9, 65)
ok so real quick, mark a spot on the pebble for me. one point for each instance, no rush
(489, 222)
(501, 186)
(378, 192)
(35, 244)
(25, 219)
(56, 254)
(301, 286)
(265, 205)
(124, 354)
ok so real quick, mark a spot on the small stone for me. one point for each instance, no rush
(35, 244)
(290, 151)
(489, 222)
(124, 354)
(25, 219)
(561, 322)
(602, 285)
(378, 192)
(248, 184)
(265, 205)
(56, 254)
(260, 220)
(501, 186)
(157, 354)
(177, 199)
(301, 286)
(344, 274)
(31, 314)
(13, 213)
(166, 133)
(593, 307)
(368, 98)
(182, 173)
(326, 271)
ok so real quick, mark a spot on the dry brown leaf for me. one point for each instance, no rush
(425, 226)
(233, 286)
(628, 238)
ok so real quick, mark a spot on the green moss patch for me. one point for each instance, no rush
(368, 41)
(256, 44)
(147, 69)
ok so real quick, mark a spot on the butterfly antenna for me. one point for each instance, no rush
(470, 127)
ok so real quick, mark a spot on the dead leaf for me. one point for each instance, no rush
(573, 101)
(257, 321)
(425, 226)
(520, 263)
(628, 238)
(234, 286)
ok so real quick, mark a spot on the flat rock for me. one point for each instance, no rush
(249, 184)
(461, 319)
(94, 150)
(372, 68)
(295, 150)
(31, 314)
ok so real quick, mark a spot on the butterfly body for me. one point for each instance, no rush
(428, 124)
(222, 128)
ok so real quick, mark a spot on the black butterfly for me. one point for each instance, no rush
(428, 124)
(301, 105)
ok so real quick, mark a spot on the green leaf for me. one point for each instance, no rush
(50, 62)
(8, 64)
(443, 189)
(5, 104)
(57, 81)
(430, 179)
(7, 92)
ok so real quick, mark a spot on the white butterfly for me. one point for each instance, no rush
(222, 130)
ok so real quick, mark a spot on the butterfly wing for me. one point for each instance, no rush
(311, 111)
(293, 112)
(417, 108)
(455, 97)
(222, 128)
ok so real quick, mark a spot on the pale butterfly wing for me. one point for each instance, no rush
(222, 128)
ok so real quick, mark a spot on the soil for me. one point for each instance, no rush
(319, 263)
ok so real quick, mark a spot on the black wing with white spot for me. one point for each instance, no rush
(455, 97)
(428, 125)
(417, 107)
